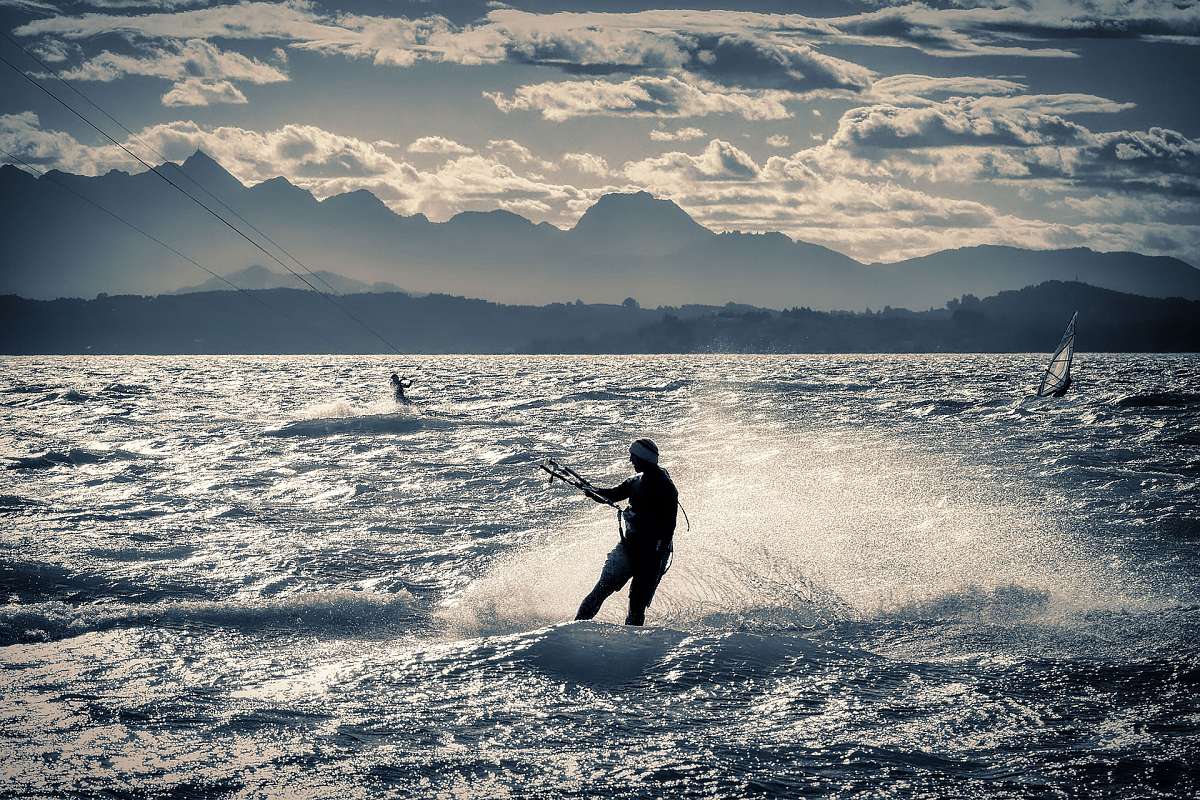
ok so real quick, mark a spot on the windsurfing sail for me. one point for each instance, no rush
(1057, 377)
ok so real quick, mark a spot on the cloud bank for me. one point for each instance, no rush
(797, 135)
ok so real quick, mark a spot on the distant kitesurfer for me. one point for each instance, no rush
(645, 549)
(398, 386)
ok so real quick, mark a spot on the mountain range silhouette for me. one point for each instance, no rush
(634, 244)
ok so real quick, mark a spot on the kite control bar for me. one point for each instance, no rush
(569, 476)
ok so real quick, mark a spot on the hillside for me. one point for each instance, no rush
(292, 321)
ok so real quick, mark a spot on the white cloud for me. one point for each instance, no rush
(724, 188)
(513, 150)
(200, 92)
(55, 51)
(23, 135)
(587, 163)
(733, 48)
(178, 61)
(1022, 120)
(720, 161)
(305, 152)
(438, 144)
(680, 135)
(721, 47)
(1154, 161)
(735, 62)
(868, 219)
(874, 218)
(292, 20)
(996, 29)
(673, 64)
(469, 183)
(1023, 139)
(911, 89)
(642, 96)
(779, 140)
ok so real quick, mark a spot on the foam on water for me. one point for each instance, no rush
(343, 417)
(339, 612)
(339, 417)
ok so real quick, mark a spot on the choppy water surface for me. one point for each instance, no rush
(254, 577)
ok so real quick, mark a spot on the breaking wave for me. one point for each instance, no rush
(74, 457)
(334, 612)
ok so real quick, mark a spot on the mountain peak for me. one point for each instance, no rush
(622, 207)
(205, 170)
(358, 202)
(201, 160)
(258, 277)
(357, 196)
(14, 173)
(498, 216)
(640, 220)
(281, 189)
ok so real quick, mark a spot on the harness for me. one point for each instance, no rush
(569, 476)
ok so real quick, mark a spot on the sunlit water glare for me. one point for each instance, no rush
(257, 576)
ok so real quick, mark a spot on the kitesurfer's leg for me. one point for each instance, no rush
(641, 592)
(616, 573)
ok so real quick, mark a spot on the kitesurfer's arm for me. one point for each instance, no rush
(614, 494)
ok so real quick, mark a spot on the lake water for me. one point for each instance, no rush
(256, 577)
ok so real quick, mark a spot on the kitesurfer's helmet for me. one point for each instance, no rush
(395, 378)
(644, 450)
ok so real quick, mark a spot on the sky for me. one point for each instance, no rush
(882, 130)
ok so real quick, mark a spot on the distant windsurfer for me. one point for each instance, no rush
(1056, 380)
(398, 386)
(645, 549)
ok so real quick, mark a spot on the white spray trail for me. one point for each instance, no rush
(793, 528)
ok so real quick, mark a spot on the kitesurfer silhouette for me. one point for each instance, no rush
(398, 386)
(645, 548)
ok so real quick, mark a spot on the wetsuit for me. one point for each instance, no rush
(399, 387)
(642, 555)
